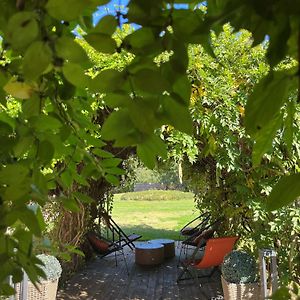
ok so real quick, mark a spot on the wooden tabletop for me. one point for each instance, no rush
(162, 241)
(148, 245)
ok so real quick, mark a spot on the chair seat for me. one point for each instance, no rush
(188, 231)
(214, 253)
(133, 237)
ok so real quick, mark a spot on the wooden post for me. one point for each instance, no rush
(268, 256)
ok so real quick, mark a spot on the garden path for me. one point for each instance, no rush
(101, 279)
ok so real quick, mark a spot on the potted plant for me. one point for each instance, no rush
(239, 276)
(47, 288)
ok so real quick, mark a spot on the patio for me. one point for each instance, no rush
(101, 279)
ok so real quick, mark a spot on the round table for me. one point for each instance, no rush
(147, 253)
(169, 246)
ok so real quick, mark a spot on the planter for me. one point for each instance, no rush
(240, 291)
(47, 290)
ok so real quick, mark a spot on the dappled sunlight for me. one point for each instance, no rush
(101, 279)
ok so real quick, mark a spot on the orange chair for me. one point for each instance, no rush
(214, 253)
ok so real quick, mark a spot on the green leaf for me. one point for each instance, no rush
(75, 75)
(279, 36)
(114, 100)
(107, 81)
(146, 155)
(143, 37)
(148, 150)
(284, 192)
(18, 89)
(265, 101)
(107, 25)
(68, 49)
(117, 125)
(36, 60)
(102, 153)
(70, 204)
(22, 29)
(66, 178)
(283, 293)
(80, 179)
(23, 145)
(289, 125)
(142, 115)
(112, 179)
(31, 107)
(110, 162)
(150, 81)
(188, 24)
(264, 139)
(3, 81)
(115, 171)
(40, 219)
(13, 174)
(101, 42)
(45, 152)
(93, 141)
(66, 10)
(29, 218)
(18, 192)
(4, 117)
(182, 87)
(83, 197)
(45, 122)
(66, 90)
(7, 290)
(178, 115)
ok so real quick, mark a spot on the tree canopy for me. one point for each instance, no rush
(49, 87)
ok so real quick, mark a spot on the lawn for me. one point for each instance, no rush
(159, 216)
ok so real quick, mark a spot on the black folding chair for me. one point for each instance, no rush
(194, 225)
(199, 238)
(117, 234)
(103, 247)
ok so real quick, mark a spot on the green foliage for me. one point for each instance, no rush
(230, 175)
(239, 267)
(286, 190)
(57, 105)
(156, 195)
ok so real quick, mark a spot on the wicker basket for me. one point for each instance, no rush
(47, 290)
(240, 291)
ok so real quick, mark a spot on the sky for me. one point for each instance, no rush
(114, 5)
(110, 9)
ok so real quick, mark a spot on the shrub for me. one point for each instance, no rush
(156, 195)
(51, 267)
(239, 267)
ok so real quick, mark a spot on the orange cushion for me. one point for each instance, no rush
(98, 244)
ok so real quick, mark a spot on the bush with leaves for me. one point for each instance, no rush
(51, 266)
(239, 267)
(225, 176)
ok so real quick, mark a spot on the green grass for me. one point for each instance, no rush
(156, 218)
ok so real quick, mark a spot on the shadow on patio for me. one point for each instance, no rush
(101, 279)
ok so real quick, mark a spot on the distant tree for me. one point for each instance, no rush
(224, 174)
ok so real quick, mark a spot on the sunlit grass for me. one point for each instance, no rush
(155, 218)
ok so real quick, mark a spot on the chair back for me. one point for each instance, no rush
(215, 251)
